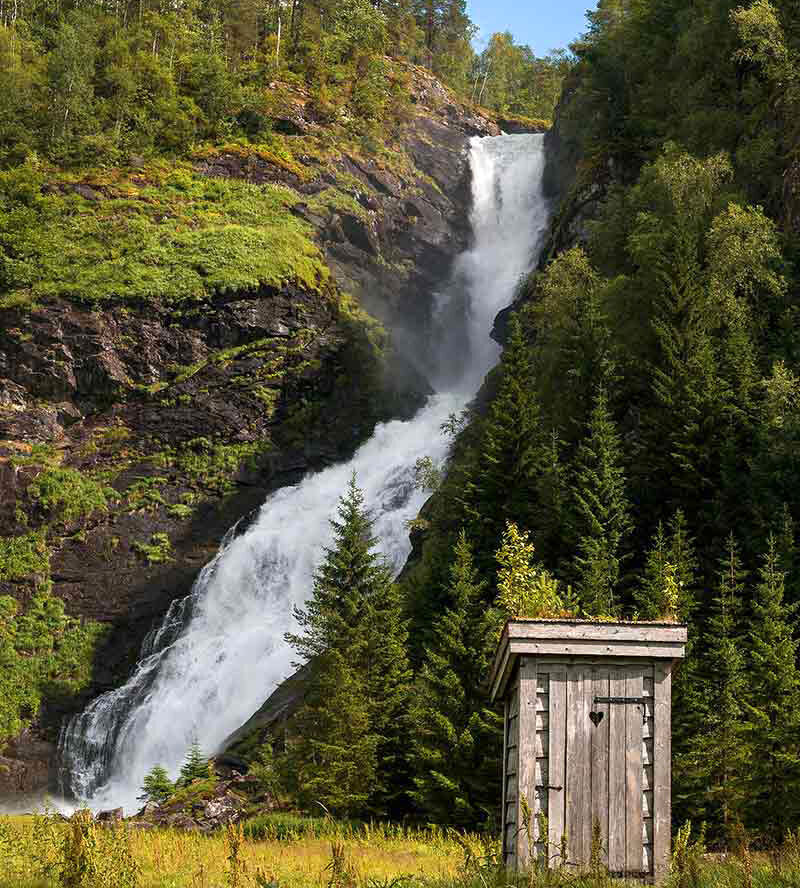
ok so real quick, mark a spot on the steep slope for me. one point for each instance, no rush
(139, 421)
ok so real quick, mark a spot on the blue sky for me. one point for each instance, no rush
(542, 24)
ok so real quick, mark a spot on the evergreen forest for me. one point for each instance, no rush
(635, 453)
(93, 83)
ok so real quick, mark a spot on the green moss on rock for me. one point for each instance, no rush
(43, 654)
(67, 494)
(169, 236)
(24, 556)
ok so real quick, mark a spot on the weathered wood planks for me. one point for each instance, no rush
(527, 756)
(616, 775)
(601, 682)
(587, 742)
(557, 763)
(662, 769)
(553, 638)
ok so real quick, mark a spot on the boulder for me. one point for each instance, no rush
(115, 815)
(204, 806)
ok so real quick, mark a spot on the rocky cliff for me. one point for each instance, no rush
(134, 434)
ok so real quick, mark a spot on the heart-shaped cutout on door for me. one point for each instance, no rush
(596, 717)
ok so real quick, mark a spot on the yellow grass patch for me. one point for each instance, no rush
(173, 859)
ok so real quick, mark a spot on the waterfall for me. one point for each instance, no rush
(220, 652)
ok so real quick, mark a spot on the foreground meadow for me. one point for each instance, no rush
(40, 852)
(49, 852)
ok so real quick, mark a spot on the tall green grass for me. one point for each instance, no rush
(286, 851)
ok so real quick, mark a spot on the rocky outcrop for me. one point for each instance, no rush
(389, 233)
(189, 416)
(522, 125)
(266, 721)
(26, 764)
(576, 188)
(204, 806)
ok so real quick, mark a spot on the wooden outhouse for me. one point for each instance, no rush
(587, 740)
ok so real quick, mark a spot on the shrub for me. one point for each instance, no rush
(157, 551)
(75, 854)
(42, 652)
(22, 556)
(68, 494)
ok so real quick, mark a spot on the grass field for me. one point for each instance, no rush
(39, 852)
(46, 852)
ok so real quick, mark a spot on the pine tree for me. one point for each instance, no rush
(772, 707)
(456, 736)
(689, 394)
(650, 596)
(672, 563)
(788, 555)
(157, 786)
(552, 496)
(353, 627)
(332, 756)
(333, 618)
(502, 487)
(195, 767)
(719, 755)
(667, 586)
(388, 679)
(601, 511)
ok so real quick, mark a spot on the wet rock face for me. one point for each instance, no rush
(395, 254)
(191, 416)
(25, 764)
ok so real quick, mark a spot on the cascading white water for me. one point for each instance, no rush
(219, 653)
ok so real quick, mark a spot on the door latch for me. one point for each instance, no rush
(631, 700)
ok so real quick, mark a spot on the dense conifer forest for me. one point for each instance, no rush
(634, 454)
(642, 424)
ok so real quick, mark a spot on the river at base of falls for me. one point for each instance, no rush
(220, 652)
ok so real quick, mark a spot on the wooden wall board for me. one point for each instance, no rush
(599, 755)
(662, 770)
(633, 775)
(527, 754)
(557, 761)
(616, 774)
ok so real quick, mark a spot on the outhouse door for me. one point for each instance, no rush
(594, 762)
